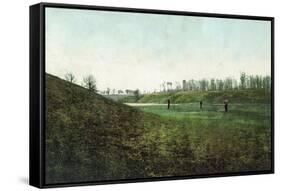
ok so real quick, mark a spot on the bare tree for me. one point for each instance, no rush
(228, 84)
(163, 86)
(267, 83)
(191, 85)
(243, 78)
(184, 85)
(203, 85)
(169, 86)
(258, 80)
(212, 84)
(235, 84)
(220, 84)
(89, 82)
(178, 86)
(107, 91)
(70, 77)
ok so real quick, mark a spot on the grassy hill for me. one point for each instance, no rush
(85, 132)
(100, 139)
(91, 138)
(240, 96)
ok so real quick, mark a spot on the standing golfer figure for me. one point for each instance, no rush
(169, 103)
(201, 103)
(226, 105)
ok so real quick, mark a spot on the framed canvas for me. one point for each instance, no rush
(131, 95)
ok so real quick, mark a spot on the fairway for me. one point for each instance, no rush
(257, 112)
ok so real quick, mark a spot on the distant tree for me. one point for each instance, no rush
(120, 92)
(228, 84)
(220, 84)
(207, 85)
(70, 77)
(178, 86)
(212, 84)
(169, 86)
(113, 91)
(196, 85)
(137, 94)
(164, 86)
(184, 85)
(89, 82)
(127, 91)
(252, 82)
(266, 81)
(203, 85)
(243, 78)
(247, 80)
(107, 91)
(191, 85)
(234, 84)
(258, 80)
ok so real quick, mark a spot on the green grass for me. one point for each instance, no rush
(238, 140)
(210, 111)
(234, 96)
(91, 138)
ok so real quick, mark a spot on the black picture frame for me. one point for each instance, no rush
(37, 92)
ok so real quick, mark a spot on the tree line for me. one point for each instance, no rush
(89, 82)
(245, 82)
(257, 82)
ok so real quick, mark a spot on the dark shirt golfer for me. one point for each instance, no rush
(169, 103)
(201, 103)
(225, 105)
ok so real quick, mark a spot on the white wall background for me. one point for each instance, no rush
(14, 67)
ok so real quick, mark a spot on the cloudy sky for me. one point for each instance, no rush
(133, 50)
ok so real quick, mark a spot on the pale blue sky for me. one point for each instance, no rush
(133, 50)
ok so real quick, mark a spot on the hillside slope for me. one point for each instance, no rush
(83, 132)
(100, 139)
